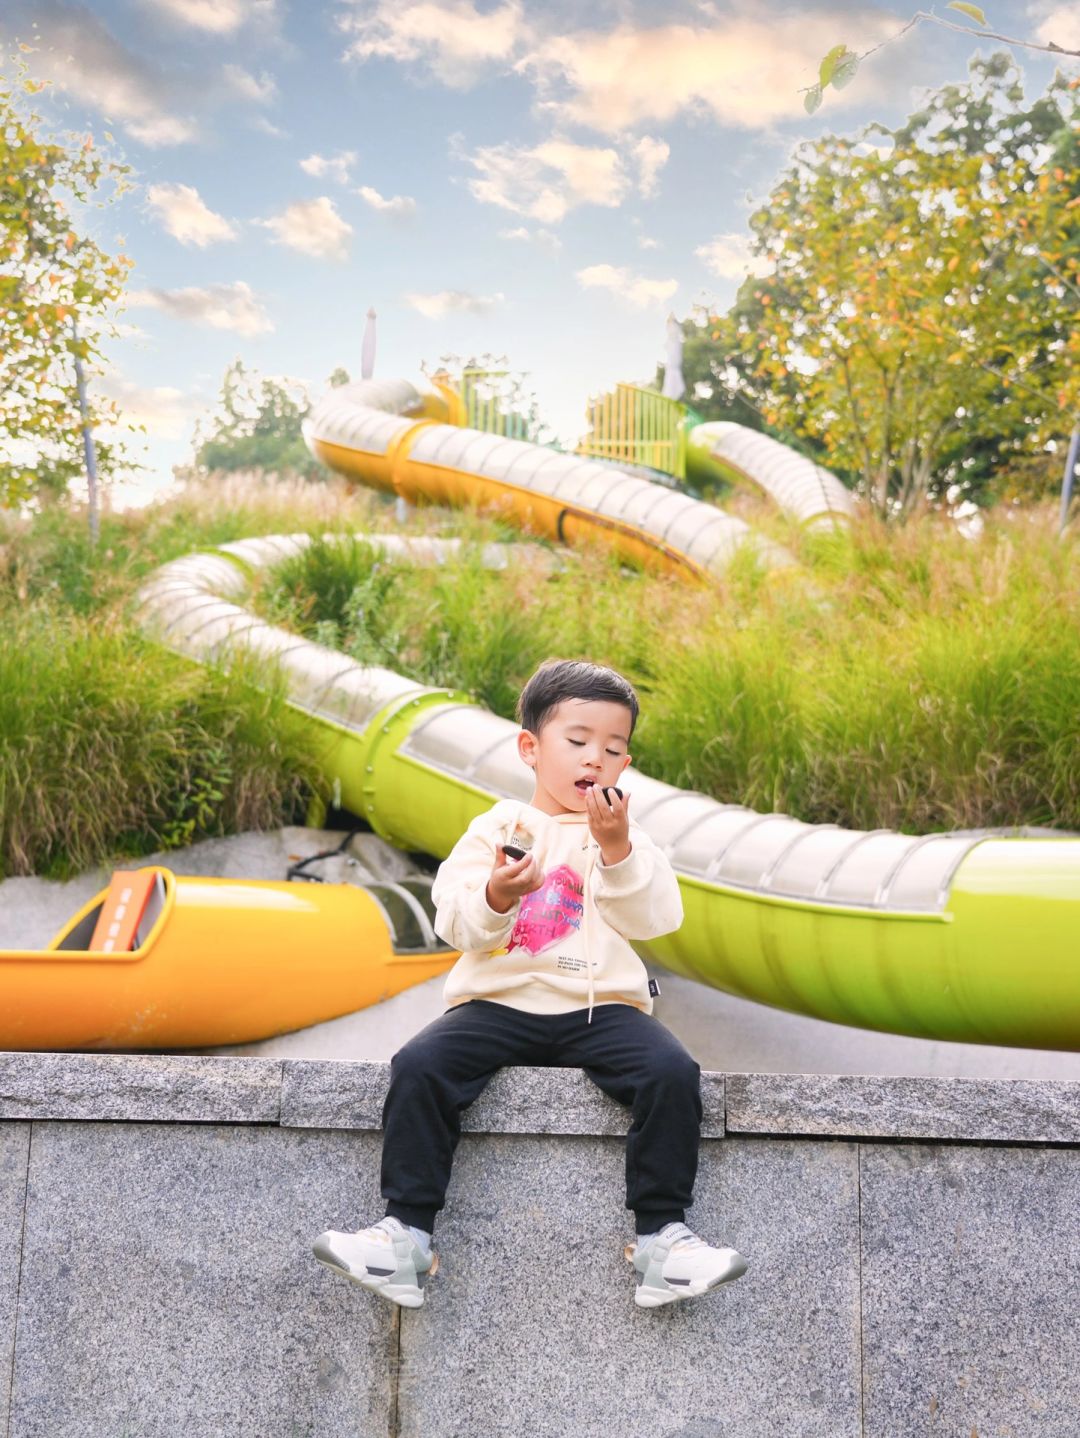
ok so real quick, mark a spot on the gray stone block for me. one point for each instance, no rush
(174, 1088)
(14, 1155)
(522, 1099)
(529, 1329)
(842, 1105)
(971, 1277)
(326, 1093)
(168, 1287)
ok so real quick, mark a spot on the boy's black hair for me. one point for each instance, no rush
(559, 679)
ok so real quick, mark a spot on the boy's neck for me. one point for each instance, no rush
(554, 811)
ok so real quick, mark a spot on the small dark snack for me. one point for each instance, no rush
(608, 791)
(514, 851)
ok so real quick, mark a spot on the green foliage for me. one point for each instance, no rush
(918, 329)
(257, 427)
(52, 277)
(110, 745)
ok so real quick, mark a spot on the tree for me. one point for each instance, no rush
(258, 426)
(57, 291)
(921, 318)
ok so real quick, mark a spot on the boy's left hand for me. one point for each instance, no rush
(609, 824)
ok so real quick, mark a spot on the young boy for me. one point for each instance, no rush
(541, 899)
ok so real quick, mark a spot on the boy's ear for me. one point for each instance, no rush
(625, 762)
(527, 742)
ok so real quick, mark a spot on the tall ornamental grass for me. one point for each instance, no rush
(110, 745)
(914, 680)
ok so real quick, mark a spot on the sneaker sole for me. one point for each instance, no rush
(404, 1295)
(659, 1297)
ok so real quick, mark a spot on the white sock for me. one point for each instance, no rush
(422, 1238)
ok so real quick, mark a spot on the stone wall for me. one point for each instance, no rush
(914, 1249)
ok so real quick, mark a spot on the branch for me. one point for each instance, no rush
(1050, 48)
(840, 65)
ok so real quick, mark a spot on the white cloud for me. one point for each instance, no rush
(222, 307)
(262, 88)
(621, 281)
(1059, 24)
(740, 63)
(216, 17)
(400, 206)
(313, 227)
(548, 180)
(181, 209)
(651, 156)
(744, 69)
(646, 242)
(84, 59)
(335, 167)
(542, 239)
(729, 257)
(455, 39)
(445, 302)
(260, 122)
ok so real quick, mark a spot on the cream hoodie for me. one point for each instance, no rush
(565, 946)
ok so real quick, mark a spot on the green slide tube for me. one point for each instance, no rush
(953, 937)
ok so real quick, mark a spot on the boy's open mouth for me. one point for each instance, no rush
(583, 784)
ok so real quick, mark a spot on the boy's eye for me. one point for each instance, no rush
(615, 753)
(579, 743)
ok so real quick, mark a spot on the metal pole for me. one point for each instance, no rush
(88, 437)
(1070, 476)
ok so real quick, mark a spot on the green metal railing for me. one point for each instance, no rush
(634, 425)
(488, 397)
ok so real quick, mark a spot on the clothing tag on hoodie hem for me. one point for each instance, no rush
(654, 989)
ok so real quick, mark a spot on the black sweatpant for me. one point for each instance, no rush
(628, 1054)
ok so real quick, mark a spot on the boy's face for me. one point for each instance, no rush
(582, 742)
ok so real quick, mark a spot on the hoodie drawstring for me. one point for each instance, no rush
(590, 862)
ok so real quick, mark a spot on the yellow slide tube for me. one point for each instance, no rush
(228, 961)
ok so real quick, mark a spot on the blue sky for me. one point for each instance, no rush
(532, 179)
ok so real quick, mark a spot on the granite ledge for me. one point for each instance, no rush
(856, 1106)
(169, 1088)
(330, 1094)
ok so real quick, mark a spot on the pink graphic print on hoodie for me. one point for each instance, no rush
(551, 912)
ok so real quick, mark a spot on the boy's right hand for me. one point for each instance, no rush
(511, 880)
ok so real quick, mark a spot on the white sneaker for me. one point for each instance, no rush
(677, 1264)
(384, 1258)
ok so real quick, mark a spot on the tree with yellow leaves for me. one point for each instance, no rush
(920, 327)
(57, 291)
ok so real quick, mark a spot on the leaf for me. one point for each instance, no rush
(828, 65)
(813, 99)
(845, 70)
(971, 10)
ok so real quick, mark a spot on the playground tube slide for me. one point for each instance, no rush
(225, 962)
(390, 435)
(719, 449)
(959, 937)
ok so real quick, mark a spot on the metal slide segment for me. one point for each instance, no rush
(742, 456)
(389, 435)
(942, 936)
